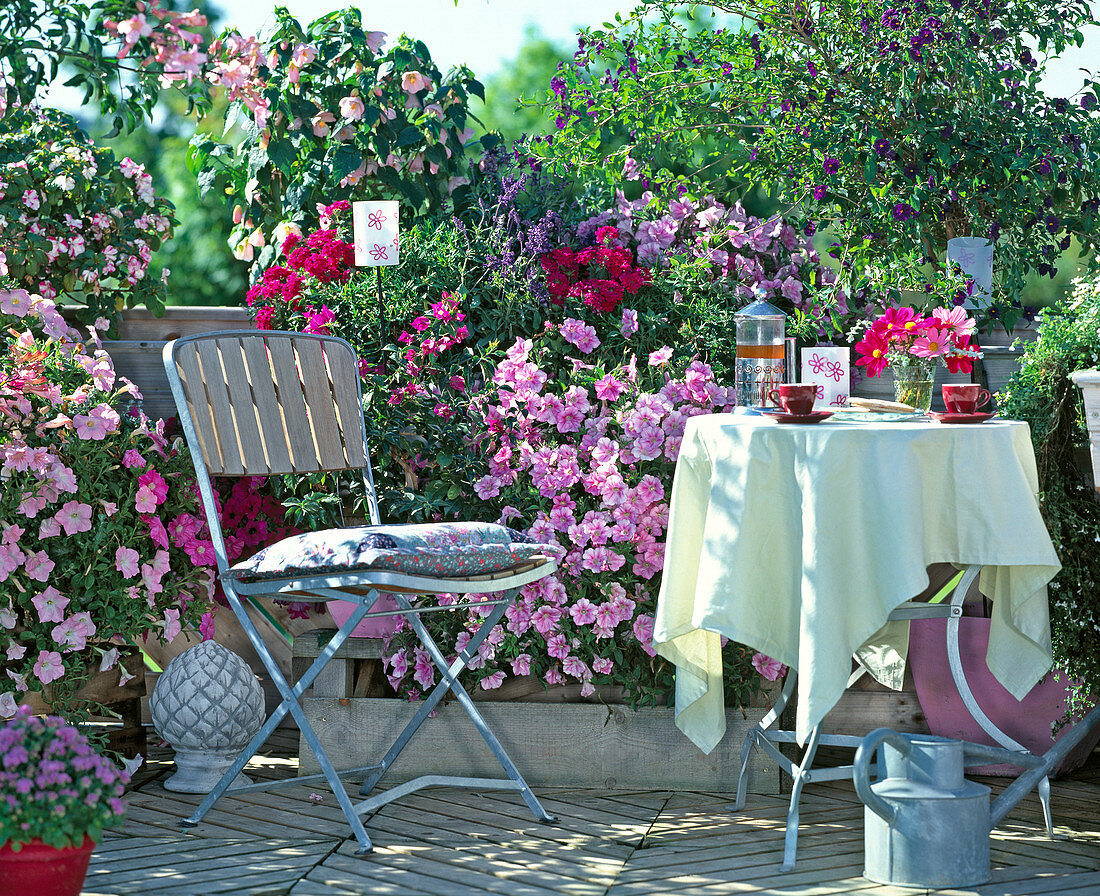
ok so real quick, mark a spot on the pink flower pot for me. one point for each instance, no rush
(41, 870)
(1026, 721)
(375, 627)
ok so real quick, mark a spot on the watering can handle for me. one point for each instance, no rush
(861, 771)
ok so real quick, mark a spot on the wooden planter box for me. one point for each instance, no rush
(127, 738)
(553, 744)
(137, 351)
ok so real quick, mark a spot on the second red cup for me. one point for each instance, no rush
(964, 398)
(795, 398)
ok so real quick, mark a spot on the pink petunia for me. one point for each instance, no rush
(583, 612)
(145, 501)
(629, 325)
(521, 665)
(172, 626)
(661, 356)
(545, 619)
(153, 481)
(74, 517)
(643, 631)
(50, 605)
(38, 566)
(48, 667)
(126, 562)
(767, 667)
(491, 682)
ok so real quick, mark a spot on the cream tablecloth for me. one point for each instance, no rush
(799, 540)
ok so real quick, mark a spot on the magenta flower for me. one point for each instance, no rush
(767, 667)
(172, 626)
(521, 665)
(583, 611)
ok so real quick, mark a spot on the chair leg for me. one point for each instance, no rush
(757, 731)
(449, 684)
(290, 704)
(790, 839)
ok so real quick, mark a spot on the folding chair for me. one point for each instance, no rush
(263, 403)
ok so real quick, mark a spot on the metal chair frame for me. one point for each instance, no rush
(261, 410)
(764, 737)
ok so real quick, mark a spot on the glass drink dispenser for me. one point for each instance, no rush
(760, 352)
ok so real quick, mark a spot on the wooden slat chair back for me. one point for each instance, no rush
(266, 403)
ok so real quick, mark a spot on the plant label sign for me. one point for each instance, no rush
(375, 225)
(828, 368)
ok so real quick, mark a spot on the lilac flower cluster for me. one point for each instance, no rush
(54, 786)
(768, 254)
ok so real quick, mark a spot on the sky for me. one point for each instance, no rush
(485, 34)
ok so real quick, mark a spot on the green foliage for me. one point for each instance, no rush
(1042, 394)
(345, 120)
(903, 128)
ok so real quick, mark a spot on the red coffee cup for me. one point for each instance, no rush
(795, 398)
(964, 398)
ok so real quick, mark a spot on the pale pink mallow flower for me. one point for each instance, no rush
(414, 82)
(48, 667)
(172, 627)
(352, 108)
(767, 667)
(38, 566)
(491, 682)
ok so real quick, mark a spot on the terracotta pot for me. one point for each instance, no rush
(1026, 721)
(43, 870)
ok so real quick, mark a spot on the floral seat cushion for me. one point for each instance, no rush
(437, 550)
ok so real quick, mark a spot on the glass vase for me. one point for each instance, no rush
(913, 379)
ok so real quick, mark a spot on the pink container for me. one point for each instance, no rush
(375, 627)
(1026, 721)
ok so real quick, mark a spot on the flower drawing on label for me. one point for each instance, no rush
(840, 401)
(966, 258)
(833, 370)
(820, 390)
(817, 363)
(378, 253)
(376, 220)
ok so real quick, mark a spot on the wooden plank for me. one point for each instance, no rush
(253, 456)
(268, 413)
(214, 377)
(182, 320)
(310, 644)
(288, 388)
(553, 744)
(859, 711)
(344, 372)
(187, 362)
(322, 410)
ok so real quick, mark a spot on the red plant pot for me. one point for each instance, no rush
(41, 870)
(375, 627)
(1026, 721)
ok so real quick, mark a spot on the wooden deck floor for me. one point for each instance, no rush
(607, 843)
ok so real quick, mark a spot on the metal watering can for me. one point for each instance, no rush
(925, 825)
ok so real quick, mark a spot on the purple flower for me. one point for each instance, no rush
(831, 166)
(903, 211)
(1088, 101)
(557, 84)
(819, 192)
(882, 148)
